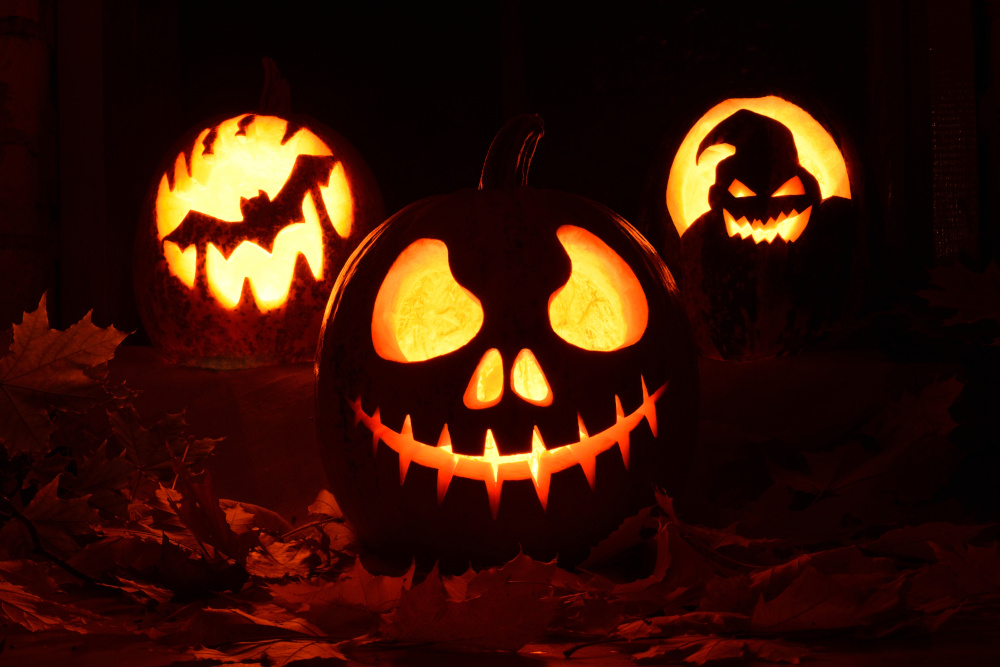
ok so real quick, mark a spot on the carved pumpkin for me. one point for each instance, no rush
(502, 368)
(243, 237)
(760, 228)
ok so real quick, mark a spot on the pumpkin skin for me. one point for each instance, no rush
(777, 257)
(278, 236)
(451, 483)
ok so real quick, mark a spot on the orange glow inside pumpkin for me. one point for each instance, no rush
(691, 175)
(486, 386)
(793, 186)
(421, 311)
(528, 381)
(602, 307)
(494, 468)
(738, 190)
(239, 165)
(788, 227)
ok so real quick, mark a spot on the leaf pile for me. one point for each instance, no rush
(109, 527)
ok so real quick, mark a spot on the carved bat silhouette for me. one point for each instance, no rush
(263, 217)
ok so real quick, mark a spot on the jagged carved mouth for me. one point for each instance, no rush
(789, 227)
(494, 468)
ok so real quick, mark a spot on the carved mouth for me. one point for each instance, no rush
(494, 468)
(789, 227)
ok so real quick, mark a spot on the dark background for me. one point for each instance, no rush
(93, 95)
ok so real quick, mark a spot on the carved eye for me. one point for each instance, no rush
(602, 306)
(737, 189)
(793, 186)
(421, 311)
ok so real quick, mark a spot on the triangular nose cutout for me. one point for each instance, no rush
(528, 381)
(486, 386)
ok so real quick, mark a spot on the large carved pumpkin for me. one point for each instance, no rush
(757, 221)
(243, 236)
(503, 368)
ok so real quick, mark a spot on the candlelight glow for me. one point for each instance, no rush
(493, 468)
(692, 175)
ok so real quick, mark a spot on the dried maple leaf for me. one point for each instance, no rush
(326, 505)
(265, 622)
(55, 520)
(974, 296)
(273, 653)
(30, 598)
(820, 601)
(709, 650)
(200, 510)
(501, 618)
(48, 370)
(154, 450)
(277, 560)
(104, 478)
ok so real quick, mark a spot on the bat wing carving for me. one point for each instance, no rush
(263, 217)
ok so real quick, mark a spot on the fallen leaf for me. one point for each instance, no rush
(502, 618)
(694, 650)
(56, 521)
(48, 370)
(273, 653)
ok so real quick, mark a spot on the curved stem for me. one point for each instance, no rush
(509, 157)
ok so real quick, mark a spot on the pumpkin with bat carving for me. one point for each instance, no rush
(503, 368)
(243, 236)
(759, 225)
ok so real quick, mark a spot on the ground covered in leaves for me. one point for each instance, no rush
(113, 542)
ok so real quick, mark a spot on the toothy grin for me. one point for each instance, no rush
(789, 227)
(494, 468)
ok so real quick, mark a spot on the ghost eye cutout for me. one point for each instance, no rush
(738, 190)
(793, 186)
(421, 311)
(602, 306)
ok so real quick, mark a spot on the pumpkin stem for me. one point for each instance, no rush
(276, 97)
(510, 154)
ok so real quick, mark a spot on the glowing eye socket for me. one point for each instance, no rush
(421, 311)
(602, 306)
(737, 189)
(793, 186)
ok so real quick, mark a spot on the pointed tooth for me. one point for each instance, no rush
(359, 412)
(537, 463)
(376, 430)
(444, 440)
(619, 411)
(583, 429)
(407, 429)
(731, 227)
(404, 464)
(445, 473)
(537, 444)
(493, 485)
(589, 464)
(623, 447)
(493, 489)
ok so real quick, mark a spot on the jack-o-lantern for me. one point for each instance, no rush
(761, 229)
(503, 368)
(243, 236)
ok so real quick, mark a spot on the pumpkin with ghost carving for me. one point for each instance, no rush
(759, 226)
(503, 368)
(242, 238)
